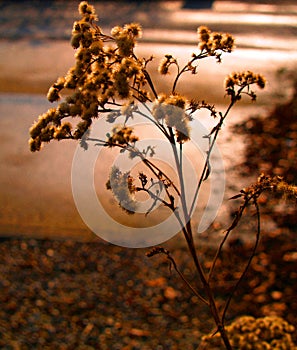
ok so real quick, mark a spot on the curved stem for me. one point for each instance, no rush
(178, 163)
(150, 82)
(187, 230)
(157, 171)
(185, 69)
(158, 125)
(155, 197)
(228, 231)
(248, 263)
(194, 291)
(217, 129)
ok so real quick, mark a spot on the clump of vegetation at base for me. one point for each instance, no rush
(265, 333)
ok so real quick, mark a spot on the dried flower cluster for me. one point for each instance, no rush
(268, 183)
(121, 184)
(171, 110)
(265, 333)
(108, 78)
(121, 136)
(214, 43)
(243, 80)
(165, 63)
(105, 70)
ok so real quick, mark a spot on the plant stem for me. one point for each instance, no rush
(253, 253)
(191, 245)
(208, 290)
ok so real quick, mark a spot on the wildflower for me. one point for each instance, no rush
(96, 47)
(176, 100)
(203, 34)
(85, 9)
(125, 37)
(47, 133)
(261, 81)
(75, 40)
(128, 109)
(227, 42)
(245, 78)
(64, 108)
(164, 66)
(121, 184)
(62, 132)
(134, 28)
(171, 109)
(53, 94)
(81, 128)
(121, 136)
(121, 84)
(165, 63)
(214, 43)
(35, 144)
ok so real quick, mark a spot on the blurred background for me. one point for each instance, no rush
(64, 288)
(35, 50)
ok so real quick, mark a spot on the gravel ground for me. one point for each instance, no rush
(70, 295)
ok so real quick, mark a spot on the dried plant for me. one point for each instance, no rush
(109, 81)
(263, 333)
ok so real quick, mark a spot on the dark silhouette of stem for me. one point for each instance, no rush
(248, 263)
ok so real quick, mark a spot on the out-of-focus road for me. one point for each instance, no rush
(35, 191)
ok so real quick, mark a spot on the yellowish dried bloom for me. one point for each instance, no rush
(203, 34)
(125, 38)
(163, 67)
(53, 94)
(81, 128)
(121, 84)
(96, 47)
(247, 332)
(134, 28)
(85, 9)
(245, 78)
(121, 135)
(176, 100)
(165, 63)
(171, 109)
(214, 43)
(121, 184)
(62, 131)
(35, 144)
(261, 81)
(128, 108)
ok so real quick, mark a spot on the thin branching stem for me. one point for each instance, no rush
(158, 125)
(228, 231)
(154, 196)
(211, 146)
(150, 82)
(253, 253)
(178, 164)
(185, 69)
(181, 275)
